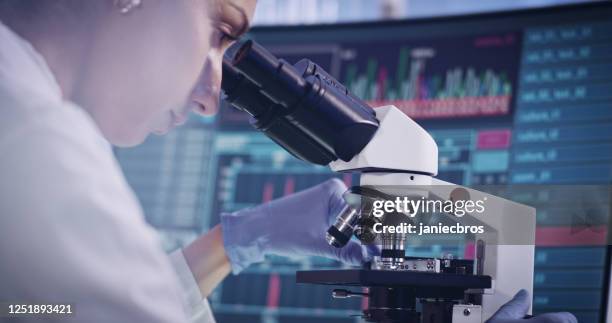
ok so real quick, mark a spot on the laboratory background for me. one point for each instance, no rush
(542, 67)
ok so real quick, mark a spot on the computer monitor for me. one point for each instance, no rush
(520, 97)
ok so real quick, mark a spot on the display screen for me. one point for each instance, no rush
(510, 98)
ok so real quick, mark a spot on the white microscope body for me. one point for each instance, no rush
(402, 153)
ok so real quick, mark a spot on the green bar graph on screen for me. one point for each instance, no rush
(411, 80)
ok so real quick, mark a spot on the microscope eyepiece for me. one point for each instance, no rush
(302, 108)
(245, 95)
(277, 78)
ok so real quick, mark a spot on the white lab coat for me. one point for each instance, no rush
(71, 229)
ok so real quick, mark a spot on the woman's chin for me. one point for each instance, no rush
(126, 140)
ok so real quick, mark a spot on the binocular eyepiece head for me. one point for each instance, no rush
(300, 107)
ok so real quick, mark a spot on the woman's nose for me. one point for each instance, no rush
(206, 92)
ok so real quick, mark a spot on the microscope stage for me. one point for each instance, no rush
(390, 278)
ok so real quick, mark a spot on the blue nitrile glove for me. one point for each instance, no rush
(290, 226)
(516, 309)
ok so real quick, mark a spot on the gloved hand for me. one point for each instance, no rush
(289, 226)
(517, 307)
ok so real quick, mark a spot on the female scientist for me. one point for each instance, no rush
(76, 75)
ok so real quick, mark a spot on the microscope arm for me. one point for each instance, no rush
(509, 260)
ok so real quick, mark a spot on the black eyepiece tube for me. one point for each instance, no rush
(241, 92)
(302, 108)
(231, 76)
(279, 79)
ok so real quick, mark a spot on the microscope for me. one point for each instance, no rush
(316, 119)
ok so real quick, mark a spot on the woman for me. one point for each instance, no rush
(75, 75)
